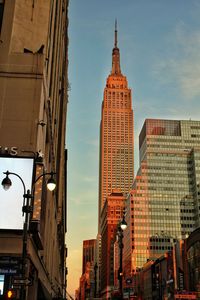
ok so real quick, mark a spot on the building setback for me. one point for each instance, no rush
(163, 205)
(33, 106)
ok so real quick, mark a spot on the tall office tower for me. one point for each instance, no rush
(116, 147)
(163, 205)
(33, 106)
(116, 134)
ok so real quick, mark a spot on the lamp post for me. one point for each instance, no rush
(95, 280)
(27, 209)
(121, 227)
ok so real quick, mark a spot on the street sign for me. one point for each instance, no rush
(8, 271)
(22, 281)
(10, 265)
(10, 260)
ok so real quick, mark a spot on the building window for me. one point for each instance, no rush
(1, 12)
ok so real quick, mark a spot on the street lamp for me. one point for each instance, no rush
(121, 227)
(27, 209)
(6, 182)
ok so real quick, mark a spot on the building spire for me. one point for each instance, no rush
(115, 33)
(115, 56)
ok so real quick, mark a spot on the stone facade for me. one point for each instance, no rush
(33, 109)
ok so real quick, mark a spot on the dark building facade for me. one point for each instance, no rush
(193, 261)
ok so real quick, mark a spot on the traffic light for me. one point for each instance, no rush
(10, 294)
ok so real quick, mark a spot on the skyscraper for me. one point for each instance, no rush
(116, 161)
(116, 133)
(164, 201)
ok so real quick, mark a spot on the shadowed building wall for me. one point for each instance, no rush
(33, 107)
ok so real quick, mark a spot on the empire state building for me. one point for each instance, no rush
(116, 133)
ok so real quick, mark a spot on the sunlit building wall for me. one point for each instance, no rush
(116, 263)
(137, 231)
(33, 106)
(88, 252)
(111, 214)
(88, 279)
(116, 168)
(116, 134)
(98, 263)
(164, 200)
(86, 290)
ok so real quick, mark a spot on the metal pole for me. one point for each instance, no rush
(27, 210)
(120, 262)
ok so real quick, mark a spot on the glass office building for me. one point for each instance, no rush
(164, 203)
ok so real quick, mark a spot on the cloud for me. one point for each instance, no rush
(181, 68)
(89, 179)
(86, 197)
(75, 252)
(94, 142)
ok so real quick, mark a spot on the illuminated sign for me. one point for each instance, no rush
(12, 200)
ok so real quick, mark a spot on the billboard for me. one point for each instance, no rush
(11, 201)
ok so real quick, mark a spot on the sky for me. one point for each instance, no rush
(159, 42)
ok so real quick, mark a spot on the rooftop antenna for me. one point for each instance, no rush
(115, 33)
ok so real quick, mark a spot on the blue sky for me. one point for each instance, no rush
(159, 43)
